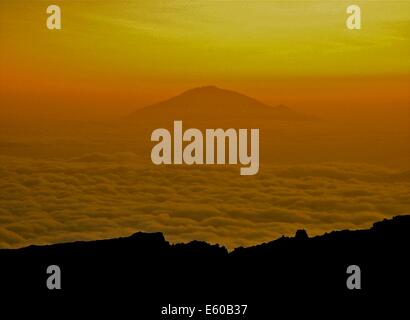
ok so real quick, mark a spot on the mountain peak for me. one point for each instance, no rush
(204, 88)
(210, 102)
(214, 92)
(212, 105)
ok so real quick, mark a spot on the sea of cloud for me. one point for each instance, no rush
(101, 196)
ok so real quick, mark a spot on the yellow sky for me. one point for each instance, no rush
(68, 183)
(148, 49)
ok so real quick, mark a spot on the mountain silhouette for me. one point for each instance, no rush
(140, 273)
(212, 104)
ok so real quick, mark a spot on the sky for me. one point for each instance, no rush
(93, 179)
(111, 57)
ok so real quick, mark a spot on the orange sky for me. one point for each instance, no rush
(68, 181)
(112, 57)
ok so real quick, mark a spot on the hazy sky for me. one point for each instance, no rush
(113, 56)
(65, 181)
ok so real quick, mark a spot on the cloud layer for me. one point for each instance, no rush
(103, 196)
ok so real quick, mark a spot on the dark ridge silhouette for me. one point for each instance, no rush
(210, 103)
(143, 272)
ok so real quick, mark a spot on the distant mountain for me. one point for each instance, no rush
(212, 103)
(143, 272)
